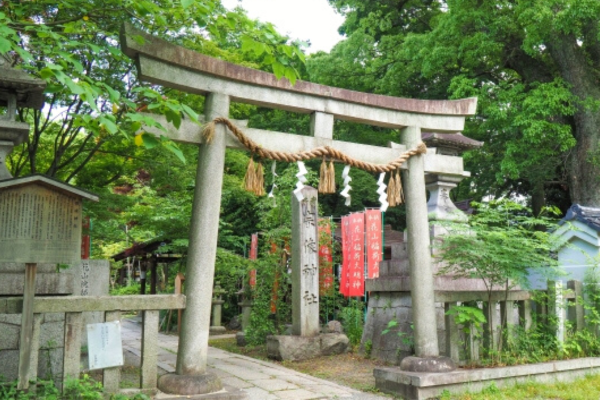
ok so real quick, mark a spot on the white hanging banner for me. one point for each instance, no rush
(274, 173)
(301, 181)
(381, 191)
(346, 177)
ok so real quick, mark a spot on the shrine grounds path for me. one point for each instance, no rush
(261, 380)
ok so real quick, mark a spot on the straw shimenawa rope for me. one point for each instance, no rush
(319, 152)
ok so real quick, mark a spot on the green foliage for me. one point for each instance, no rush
(501, 245)
(96, 109)
(272, 278)
(132, 289)
(352, 319)
(471, 319)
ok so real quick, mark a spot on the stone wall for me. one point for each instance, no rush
(393, 346)
(90, 278)
(94, 280)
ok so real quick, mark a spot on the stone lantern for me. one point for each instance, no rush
(440, 207)
(217, 303)
(17, 89)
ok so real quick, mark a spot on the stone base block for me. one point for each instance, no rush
(429, 364)
(189, 384)
(216, 330)
(424, 385)
(296, 348)
(227, 393)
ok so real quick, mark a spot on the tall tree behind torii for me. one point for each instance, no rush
(534, 66)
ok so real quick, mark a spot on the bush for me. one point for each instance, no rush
(352, 318)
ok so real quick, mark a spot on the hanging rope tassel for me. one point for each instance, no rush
(259, 180)
(250, 177)
(399, 190)
(391, 191)
(331, 188)
(323, 178)
(208, 133)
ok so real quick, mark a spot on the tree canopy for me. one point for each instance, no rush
(533, 65)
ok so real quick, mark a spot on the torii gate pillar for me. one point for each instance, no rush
(419, 252)
(191, 376)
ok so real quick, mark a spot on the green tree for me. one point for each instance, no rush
(532, 64)
(93, 99)
(501, 246)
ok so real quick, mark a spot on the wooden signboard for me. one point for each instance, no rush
(40, 220)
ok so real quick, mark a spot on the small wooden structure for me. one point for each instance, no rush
(150, 255)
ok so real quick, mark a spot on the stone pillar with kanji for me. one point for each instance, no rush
(305, 263)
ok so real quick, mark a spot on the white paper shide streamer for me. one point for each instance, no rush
(274, 173)
(301, 181)
(347, 188)
(381, 191)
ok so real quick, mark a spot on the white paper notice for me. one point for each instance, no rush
(105, 348)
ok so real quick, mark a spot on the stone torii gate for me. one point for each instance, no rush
(173, 66)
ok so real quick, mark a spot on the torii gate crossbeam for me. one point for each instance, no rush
(173, 66)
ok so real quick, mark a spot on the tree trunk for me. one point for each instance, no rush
(538, 198)
(584, 161)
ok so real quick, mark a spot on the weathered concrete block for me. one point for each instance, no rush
(12, 284)
(50, 364)
(9, 336)
(13, 267)
(333, 343)
(293, 348)
(54, 317)
(52, 335)
(11, 319)
(9, 362)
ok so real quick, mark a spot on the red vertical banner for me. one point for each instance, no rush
(344, 282)
(85, 239)
(253, 256)
(357, 255)
(274, 291)
(325, 258)
(374, 242)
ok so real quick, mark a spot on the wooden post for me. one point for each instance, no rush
(72, 352)
(148, 377)
(25, 345)
(143, 272)
(153, 274)
(111, 376)
(179, 279)
(452, 339)
(576, 311)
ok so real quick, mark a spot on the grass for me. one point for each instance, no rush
(582, 389)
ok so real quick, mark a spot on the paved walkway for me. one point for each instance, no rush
(261, 380)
